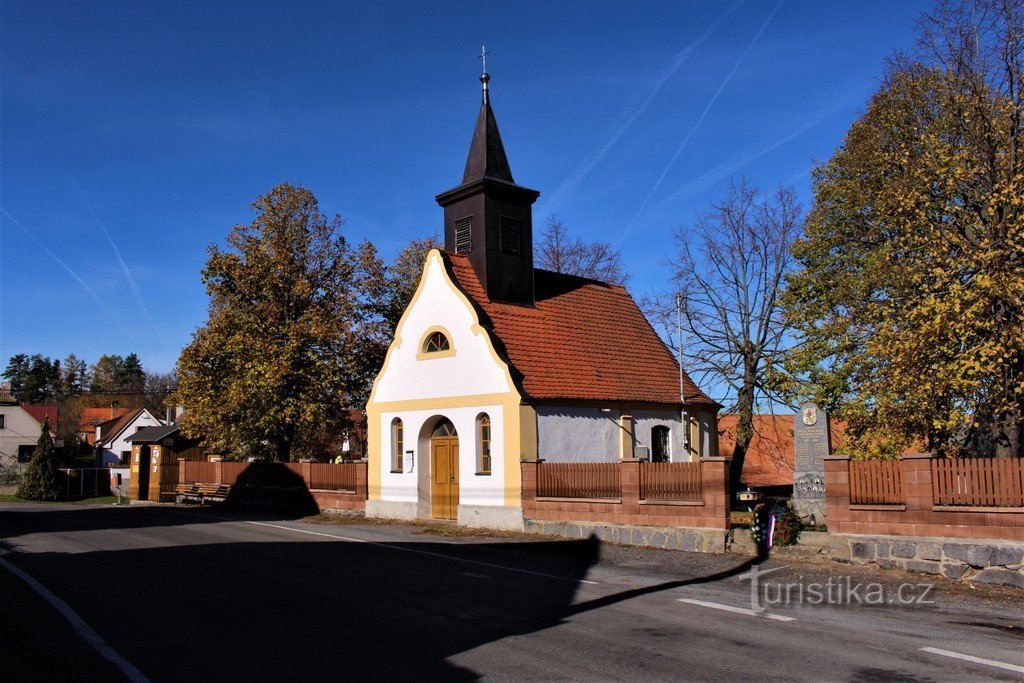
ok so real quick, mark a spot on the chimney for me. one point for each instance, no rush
(170, 416)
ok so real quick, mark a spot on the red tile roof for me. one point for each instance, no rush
(94, 416)
(39, 413)
(583, 339)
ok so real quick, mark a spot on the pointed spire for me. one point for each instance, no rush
(486, 153)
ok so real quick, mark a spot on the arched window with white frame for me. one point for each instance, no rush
(483, 440)
(397, 445)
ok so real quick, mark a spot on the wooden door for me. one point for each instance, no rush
(444, 477)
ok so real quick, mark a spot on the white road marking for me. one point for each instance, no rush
(95, 641)
(395, 547)
(975, 660)
(737, 610)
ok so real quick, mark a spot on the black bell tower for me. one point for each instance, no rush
(488, 217)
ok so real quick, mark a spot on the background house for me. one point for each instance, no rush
(20, 426)
(113, 444)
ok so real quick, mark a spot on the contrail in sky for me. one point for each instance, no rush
(72, 273)
(700, 120)
(136, 292)
(574, 178)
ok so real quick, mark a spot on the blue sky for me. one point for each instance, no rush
(133, 135)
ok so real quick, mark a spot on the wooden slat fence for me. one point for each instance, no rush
(978, 482)
(670, 481)
(578, 480)
(231, 470)
(333, 477)
(876, 482)
(200, 472)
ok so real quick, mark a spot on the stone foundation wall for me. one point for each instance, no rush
(668, 538)
(987, 562)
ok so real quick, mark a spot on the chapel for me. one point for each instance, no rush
(495, 362)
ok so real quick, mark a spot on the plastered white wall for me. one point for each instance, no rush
(574, 434)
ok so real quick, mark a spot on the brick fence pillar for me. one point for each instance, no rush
(837, 493)
(916, 473)
(714, 478)
(528, 468)
(181, 471)
(629, 485)
(218, 470)
(361, 479)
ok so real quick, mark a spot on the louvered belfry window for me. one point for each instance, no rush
(464, 235)
(511, 235)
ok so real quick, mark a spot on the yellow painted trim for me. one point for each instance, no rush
(443, 402)
(423, 355)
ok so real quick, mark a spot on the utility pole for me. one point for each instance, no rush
(682, 396)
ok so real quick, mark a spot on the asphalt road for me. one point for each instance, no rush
(186, 594)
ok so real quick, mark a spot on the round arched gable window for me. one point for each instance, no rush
(436, 343)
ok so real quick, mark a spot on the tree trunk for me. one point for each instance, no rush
(744, 432)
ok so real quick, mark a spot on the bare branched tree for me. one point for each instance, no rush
(560, 252)
(728, 272)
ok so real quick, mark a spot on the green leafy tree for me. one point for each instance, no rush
(910, 301)
(269, 372)
(40, 479)
(33, 379)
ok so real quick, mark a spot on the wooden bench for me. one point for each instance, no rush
(201, 493)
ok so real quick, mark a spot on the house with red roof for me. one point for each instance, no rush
(495, 361)
(20, 426)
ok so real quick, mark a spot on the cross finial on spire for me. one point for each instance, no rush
(484, 77)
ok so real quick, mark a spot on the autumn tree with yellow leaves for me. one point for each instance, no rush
(285, 346)
(909, 304)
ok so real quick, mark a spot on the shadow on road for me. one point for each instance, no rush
(287, 610)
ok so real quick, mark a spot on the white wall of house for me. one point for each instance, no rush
(20, 429)
(113, 450)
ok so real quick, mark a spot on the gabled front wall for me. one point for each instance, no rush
(459, 385)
